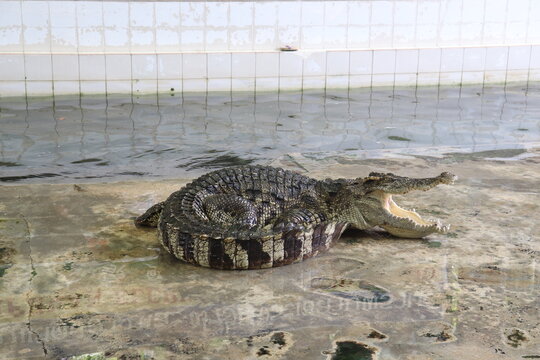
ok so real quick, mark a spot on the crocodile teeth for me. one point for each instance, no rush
(410, 219)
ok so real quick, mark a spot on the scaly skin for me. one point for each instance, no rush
(252, 217)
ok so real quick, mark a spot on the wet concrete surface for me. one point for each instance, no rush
(76, 277)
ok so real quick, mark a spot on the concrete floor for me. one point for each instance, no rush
(76, 277)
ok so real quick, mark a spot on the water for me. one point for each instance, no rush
(102, 138)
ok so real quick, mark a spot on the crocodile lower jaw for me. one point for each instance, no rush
(408, 223)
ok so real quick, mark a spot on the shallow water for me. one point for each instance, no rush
(100, 138)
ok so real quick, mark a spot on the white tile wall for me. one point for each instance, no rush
(219, 65)
(266, 83)
(169, 66)
(267, 65)
(144, 67)
(337, 82)
(452, 60)
(171, 86)
(93, 87)
(143, 86)
(243, 65)
(118, 67)
(361, 63)
(143, 26)
(194, 85)
(519, 57)
(496, 58)
(13, 88)
(65, 67)
(243, 84)
(223, 84)
(119, 87)
(314, 82)
(359, 81)
(39, 88)
(337, 63)
(38, 67)
(290, 64)
(12, 67)
(116, 46)
(474, 59)
(68, 87)
(314, 64)
(92, 67)
(406, 61)
(290, 83)
(264, 71)
(384, 62)
(194, 66)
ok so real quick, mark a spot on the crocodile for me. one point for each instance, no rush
(253, 217)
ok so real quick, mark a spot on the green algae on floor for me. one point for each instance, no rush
(352, 350)
(398, 138)
(357, 290)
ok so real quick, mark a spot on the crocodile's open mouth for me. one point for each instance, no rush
(408, 223)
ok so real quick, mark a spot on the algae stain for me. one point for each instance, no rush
(357, 290)
(516, 338)
(263, 351)
(3, 269)
(398, 138)
(9, 163)
(374, 334)
(95, 356)
(352, 350)
(278, 338)
(89, 160)
(6, 258)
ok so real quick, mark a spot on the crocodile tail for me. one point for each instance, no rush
(297, 244)
(290, 246)
(151, 217)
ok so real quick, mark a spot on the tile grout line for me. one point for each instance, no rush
(50, 46)
(24, 48)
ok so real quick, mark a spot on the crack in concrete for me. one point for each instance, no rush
(32, 275)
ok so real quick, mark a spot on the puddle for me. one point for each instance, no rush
(352, 350)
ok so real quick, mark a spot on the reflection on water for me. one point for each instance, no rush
(68, 138)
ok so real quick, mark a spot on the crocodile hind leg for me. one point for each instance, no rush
(151, 216)
(298, 217)
(230, 210)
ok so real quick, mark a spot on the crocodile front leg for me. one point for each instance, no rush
(151, 217)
